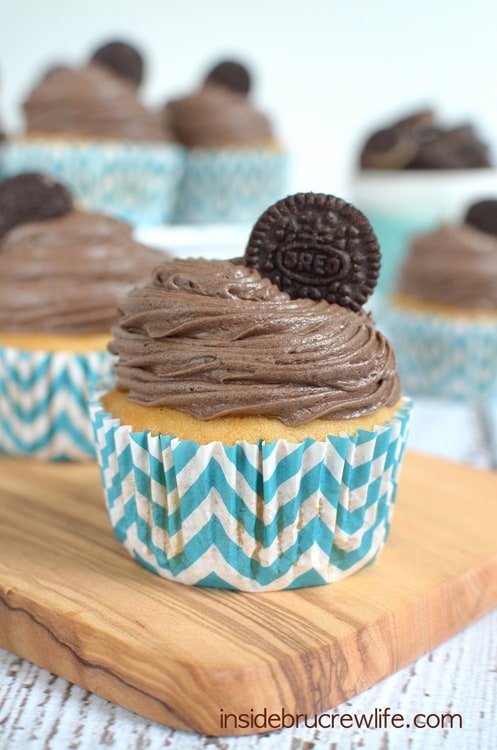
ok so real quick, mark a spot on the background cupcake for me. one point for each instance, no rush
(88, 128)
(254, 440)
(442, 317)
(62, 273)
(235, 165)
(415, 173)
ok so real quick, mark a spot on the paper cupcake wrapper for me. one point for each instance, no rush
(44, 402)
(251, 517)
(230, 185)
(137, 183)
(442, 356)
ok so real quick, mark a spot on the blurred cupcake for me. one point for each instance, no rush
(62, 273)
(442, 317)
(415, 173)
(89, 128)
(235, 164)
(254, 437)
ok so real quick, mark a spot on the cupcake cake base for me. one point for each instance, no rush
(250, 516)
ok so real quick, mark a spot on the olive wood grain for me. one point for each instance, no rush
(74, 602)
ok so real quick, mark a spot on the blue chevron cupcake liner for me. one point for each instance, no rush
(250, 517)
(133, 182)
(230, 185)
(442, 355)
(44, 402)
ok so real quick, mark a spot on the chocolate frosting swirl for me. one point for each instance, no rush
(214, 338)
(91, 102)
(67, 275)
(454, 265)
(217, 116)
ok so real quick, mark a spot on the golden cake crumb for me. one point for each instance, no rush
(52, 342)
(166, 421)
(407, 302)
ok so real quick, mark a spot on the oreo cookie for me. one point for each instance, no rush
(450, 148)
(121, 58)
(31, 197)
(418, 141)
(389, 148)
(317, 246)
(420, 120)
(233, 75)
(483, 216)
(395, 146)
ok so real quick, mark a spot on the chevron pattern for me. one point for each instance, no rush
(44, 403)
(230, 185)
(250, 517)
(137, 183)
(442, 356)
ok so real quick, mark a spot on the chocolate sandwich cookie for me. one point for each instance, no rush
(231, 74)
(389, 148)
(418, 141)
(450, 148)
(121, 58)
(420, 120)
(395, 146)
(31, 197)
(318, 246)
(483, 216)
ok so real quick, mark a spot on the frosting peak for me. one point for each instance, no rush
(216, 116)
(67, 275)
(214, 338)
(91, 102)
(453, 265)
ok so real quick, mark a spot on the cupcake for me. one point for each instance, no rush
(235, 165)
(442, 316)
(254, 436)
(62, 273)
(414, 174)
(88, 128)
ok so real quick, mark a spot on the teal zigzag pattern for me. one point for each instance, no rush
(441, 356)
(230, 185)
(137, 183)
(44, 403)
(250, 517)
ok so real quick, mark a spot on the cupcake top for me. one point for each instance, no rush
(98, 100)
(455, 265)
(418, 141)
(217, 338)
(63, 271)
(219, 112)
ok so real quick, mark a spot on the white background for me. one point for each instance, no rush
(326, 70)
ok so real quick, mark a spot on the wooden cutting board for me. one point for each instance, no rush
(72, 601)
